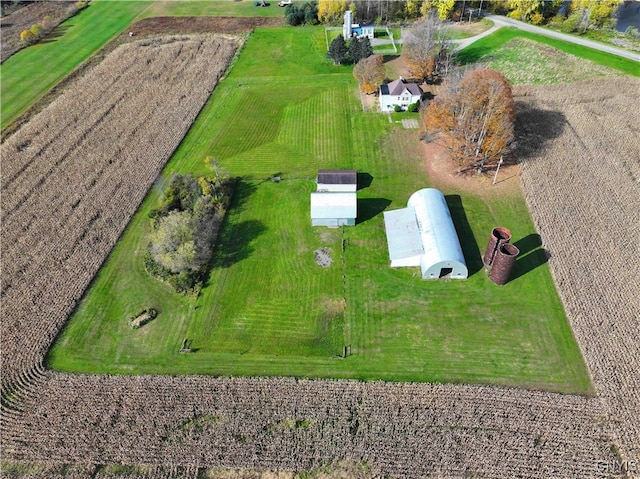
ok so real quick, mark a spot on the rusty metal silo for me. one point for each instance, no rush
(499, 236)
(503, 262)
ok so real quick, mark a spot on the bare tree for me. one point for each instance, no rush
(426, 47)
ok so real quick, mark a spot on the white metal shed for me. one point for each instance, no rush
(333, 209)
(423, 235)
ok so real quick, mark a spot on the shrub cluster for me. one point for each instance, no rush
(184, 228)
(305, 14)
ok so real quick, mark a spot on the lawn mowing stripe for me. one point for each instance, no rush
(400, 327)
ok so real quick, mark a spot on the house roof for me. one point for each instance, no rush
(333, 205)
(337, 177)
(397, 87)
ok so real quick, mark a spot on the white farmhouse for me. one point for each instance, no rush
(423, 235)
(399, 92)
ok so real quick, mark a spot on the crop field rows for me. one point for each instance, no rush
(584, 194)
(405, 430)
(74, 176)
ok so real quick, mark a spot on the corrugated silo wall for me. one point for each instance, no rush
(499, 236)
(503, 262)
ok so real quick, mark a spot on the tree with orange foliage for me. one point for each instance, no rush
(370, 73)
(474, 118)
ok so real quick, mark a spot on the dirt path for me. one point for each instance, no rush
(443, 174)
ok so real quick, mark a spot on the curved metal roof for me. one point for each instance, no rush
(439, 237)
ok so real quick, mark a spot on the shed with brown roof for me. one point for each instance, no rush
(337, 180)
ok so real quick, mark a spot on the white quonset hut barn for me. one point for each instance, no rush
(422, 234)
(399, 92)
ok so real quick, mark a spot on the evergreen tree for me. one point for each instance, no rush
(359, 49)
(310, 13)
(338, 50)
(293, 15)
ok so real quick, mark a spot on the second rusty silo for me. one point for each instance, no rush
(503, 262)
(499, 236)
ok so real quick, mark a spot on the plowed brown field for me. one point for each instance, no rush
(581, 178)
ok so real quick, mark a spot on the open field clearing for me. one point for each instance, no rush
(30, 73)
(526, 62)
(487, 45)
(73, 177)
(218, 8)
(136, 425)
(583, 188)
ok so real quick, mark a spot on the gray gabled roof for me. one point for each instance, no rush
(396, 87)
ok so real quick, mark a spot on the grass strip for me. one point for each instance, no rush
(487, 45)
(30, 73)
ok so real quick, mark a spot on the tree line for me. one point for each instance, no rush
(574, 15)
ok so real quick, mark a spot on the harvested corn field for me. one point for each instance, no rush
(74, 175)
(398, 430)
(582, 184)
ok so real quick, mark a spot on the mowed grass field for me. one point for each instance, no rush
(32, 72)
(267, 308)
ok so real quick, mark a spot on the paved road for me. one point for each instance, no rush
(504, 21)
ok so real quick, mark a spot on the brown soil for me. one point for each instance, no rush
(443, 174)
(178, 25)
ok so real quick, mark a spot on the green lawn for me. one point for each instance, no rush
(267, 308)
(487, 45)
(31, 72)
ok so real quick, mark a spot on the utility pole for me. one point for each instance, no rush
(497, 169)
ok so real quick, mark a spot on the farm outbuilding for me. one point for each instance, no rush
(350, 29)
(423, 234)
(334, 209)
(337, 180)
